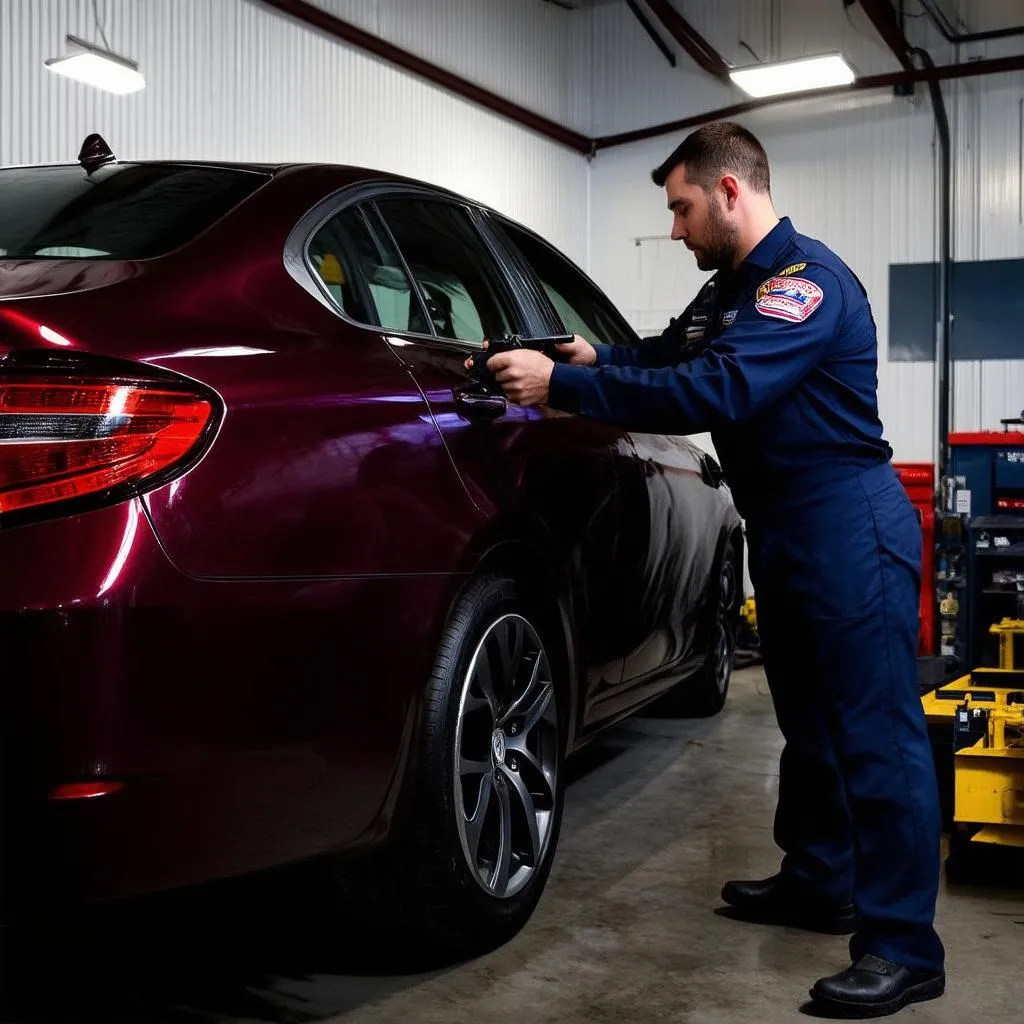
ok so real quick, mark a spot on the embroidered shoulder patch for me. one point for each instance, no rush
(795, 269)
(792, 299)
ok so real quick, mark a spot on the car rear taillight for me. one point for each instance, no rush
(85, 790)
(69, 439)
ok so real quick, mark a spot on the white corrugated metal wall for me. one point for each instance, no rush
(232, 79)
(860, 175)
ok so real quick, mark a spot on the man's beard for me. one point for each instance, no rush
(719, 252)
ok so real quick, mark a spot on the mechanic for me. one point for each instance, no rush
(777, 358)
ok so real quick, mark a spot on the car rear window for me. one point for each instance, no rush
(120, 212)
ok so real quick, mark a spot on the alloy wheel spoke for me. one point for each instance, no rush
(475, 825)
(517, 705)
(537, 708)
(515, 780)
(473, 703)
(469, 767)
(517, 745)
(503, 862)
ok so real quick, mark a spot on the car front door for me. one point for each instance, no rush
(670, 506)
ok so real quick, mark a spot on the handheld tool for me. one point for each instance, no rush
(510, 342)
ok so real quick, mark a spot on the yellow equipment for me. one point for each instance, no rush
(1006, 631)
(748, 642)
(749, 614)
(986, 711)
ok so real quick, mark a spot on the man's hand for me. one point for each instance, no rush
(524, 375)
(579, 351)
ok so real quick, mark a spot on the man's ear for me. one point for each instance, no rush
(730, 187)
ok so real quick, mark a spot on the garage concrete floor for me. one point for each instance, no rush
(658, 815)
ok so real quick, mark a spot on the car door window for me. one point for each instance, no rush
(581, 308)
(465, 295)
(363, 275)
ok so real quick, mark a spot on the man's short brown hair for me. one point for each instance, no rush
(716, 149)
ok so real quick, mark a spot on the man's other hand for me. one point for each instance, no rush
(579, 351)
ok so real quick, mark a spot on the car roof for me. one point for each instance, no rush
(347, 174)
(226, 164)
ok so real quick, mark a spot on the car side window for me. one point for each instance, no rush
(581, 308)
(357, 264)
(466, 297)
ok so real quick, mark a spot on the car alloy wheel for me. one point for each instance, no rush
(471, 852)
(506, 757)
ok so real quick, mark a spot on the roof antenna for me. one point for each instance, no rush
(95, 153)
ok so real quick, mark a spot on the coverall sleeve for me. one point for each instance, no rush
(777, 339)
(662, 350)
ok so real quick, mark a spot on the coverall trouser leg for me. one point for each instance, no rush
(858, 810)
(812, 820)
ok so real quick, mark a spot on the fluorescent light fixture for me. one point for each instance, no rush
(793, 76)
(100, 68)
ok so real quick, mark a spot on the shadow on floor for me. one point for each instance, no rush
(219, 952)
(591, 759)
(231, 950)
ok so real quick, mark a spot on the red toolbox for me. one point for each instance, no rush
(918, 479)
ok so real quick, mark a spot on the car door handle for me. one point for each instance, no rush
(480, 404)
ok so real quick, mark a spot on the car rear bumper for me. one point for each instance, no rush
(250, 723)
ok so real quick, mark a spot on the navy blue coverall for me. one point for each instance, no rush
(778, 360)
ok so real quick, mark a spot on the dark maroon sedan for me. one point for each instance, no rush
(279, 577)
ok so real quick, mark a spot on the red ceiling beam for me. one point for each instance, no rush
(883, 17)
(320, 19)
(690, 39)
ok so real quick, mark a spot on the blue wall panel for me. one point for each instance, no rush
(986, 300)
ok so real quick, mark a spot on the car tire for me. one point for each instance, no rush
(704, 693)
(467, 869)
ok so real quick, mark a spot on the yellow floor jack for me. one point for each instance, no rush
(985, 710)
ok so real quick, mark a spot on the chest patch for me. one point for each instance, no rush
(792, 299)
(729, 318)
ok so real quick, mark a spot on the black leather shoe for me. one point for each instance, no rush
(873, 987)
(777, 901)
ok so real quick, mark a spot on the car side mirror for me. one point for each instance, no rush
(710, 471)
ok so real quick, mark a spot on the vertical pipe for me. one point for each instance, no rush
(945, 266)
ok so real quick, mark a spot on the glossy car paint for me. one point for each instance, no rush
(245, 647)
(254, 722)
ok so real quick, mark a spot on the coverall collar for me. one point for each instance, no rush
(767, 251)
